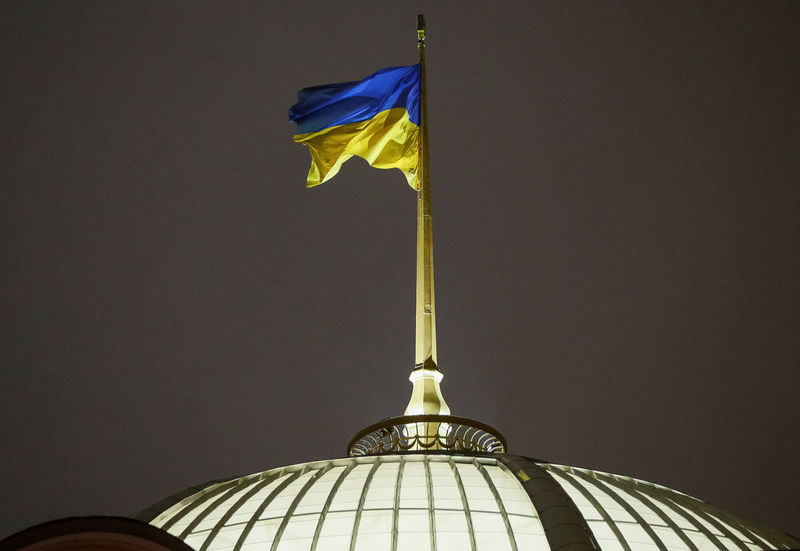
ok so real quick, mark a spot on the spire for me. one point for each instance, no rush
(426, 395)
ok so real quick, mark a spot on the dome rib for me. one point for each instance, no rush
(492, 488)
(208, 493)
(625, 505)
(464, 503)
(264, 481)
(596, 504)
(264, 504)
(652, 492)
(431, 516)
(563, 523)
(326, 507)
(295, 502)
(649, 504)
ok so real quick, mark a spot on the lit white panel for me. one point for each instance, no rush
(701, 541)
(263, 532)
(479, 496)
(637, 505)
(380, 494)
(346, 498)
(445, 489)
(244, 513)
(670, 539)
(215, 513)
(680, 520)
(451, 521)
(303, 544)
(635, 535)
(452, 540)
(730, 526)
(605, 536)
(708, 526)
(414, 488)
(195, 540)
(298, 532)
(487, 522)
(281, 502)
(316, 495)
(226, 538)
(492, 541)
(336, 532)
(513, 496)
(586, 508)
(193, 511)
(527, 529)
(374, 530)
(612, 508)
(413, 531)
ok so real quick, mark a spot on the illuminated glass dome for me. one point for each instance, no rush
(452, 502)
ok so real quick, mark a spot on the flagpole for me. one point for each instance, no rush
(426, 396)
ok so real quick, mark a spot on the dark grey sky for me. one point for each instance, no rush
(616, 217)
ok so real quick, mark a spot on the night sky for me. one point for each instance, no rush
(617, 244)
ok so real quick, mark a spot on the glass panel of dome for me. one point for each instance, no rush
(348, 494)
(635, 534)
(214, 512)
(281, 502)
(605, 537)
(337, 531)
(374, 530)
(490, 540)
(414, 486)
(445, 488)
(451, 521)
(730, 525)
(670, 539)
(708, 526)
(701, 541)
(678, 519)
(263, 532)
(297, 532)
(612, 508)
(186, 511)
(195, 540)
(573, 489)
(380, 494)
(316, 495)
(451, 531)
(479, 496)
(488, 523)
(531, 541)
(641, 508)
(513, 496)
(588, 510)
(413, 531)
(528, 529)
(225, 539)
(245, 512)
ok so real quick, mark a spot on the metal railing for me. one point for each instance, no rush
(426, 433)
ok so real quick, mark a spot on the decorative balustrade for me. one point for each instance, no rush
(426, 433)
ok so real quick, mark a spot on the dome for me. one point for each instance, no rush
(451, 502)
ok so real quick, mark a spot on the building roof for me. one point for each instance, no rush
(437, 502)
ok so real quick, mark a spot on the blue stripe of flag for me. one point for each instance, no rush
(321, 107)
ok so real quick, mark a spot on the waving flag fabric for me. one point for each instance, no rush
(377, 118)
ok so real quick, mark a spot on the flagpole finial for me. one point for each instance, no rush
(420, 30)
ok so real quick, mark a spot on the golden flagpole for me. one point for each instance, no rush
(426, 396)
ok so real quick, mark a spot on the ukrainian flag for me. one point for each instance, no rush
(377, 119)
